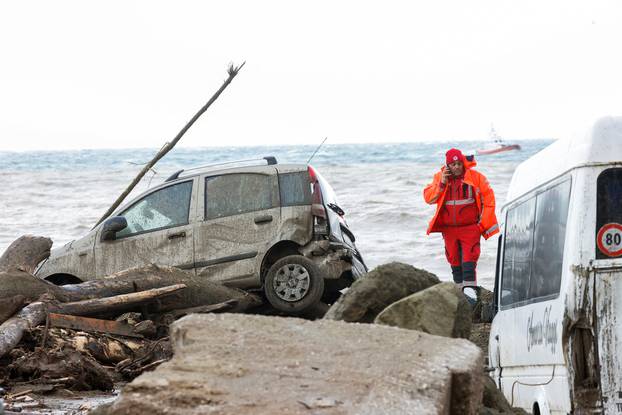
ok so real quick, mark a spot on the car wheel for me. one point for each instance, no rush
(293, 284)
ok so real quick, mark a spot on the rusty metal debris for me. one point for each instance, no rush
(92, 325)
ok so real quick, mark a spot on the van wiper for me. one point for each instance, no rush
(336, 209)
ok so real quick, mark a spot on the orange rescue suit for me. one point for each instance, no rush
(484, 199)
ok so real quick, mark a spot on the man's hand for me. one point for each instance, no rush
(446, 175)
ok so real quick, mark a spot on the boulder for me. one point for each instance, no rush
(441, 310)
(246, 364)
(384, 285)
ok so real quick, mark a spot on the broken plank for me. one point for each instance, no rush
(92, 324)
(224, 306)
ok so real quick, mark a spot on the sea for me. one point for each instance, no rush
(62, 194)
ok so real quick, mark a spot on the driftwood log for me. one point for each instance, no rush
(12, 330)
(115, 304)
(200, 291)
(16, 282)
(25, 253)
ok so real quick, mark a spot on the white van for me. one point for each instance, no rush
(556, 340)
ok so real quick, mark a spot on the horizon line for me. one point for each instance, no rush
(328, 143)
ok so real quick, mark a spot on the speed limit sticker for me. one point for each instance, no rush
(609, 239)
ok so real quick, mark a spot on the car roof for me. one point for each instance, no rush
(281, 168)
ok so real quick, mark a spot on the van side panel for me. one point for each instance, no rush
(609, 335)
(526, 339)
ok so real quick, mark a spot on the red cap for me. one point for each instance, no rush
(453, 155)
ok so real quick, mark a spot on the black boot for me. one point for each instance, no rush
(468, 273)
(456, 271)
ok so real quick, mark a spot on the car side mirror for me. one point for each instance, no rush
(111, 227)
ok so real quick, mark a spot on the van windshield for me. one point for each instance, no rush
(609, 214)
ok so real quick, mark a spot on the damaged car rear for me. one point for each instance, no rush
(271, 227)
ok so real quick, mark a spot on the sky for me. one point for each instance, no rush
(123, 74)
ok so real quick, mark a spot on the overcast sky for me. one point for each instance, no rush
(85, 74)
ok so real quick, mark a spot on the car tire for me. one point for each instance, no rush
(294, 284)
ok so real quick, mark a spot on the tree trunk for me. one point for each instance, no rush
(12, 330)
(200, 291)
(25, 253)
(116, 304)
(15, 282)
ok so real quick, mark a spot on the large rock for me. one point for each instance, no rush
(384, 285)
(243, 364)
(441, 310)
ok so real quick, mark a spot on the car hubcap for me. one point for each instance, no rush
(292, 282)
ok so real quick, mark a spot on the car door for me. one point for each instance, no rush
(241, 216)
(159, 231)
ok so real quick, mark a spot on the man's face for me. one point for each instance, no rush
(456, 168)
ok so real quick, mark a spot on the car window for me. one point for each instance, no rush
(295, 189)
(517, 253)
(549, 239)
(164, 208)
(534, 247)
(233, 194)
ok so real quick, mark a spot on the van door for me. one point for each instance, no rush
(608, 286)
(159, 231)
(608, 293)
(241, 218)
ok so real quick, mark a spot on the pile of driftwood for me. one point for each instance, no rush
(89, 335)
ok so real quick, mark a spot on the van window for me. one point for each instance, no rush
(609, 210)
(548, 243)
(534, 247)
(295, 189)
(162, 209)
(517, 253)
(234, 194)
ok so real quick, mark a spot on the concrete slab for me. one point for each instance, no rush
(242, 364)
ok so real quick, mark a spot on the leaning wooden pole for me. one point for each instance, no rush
(233, 71)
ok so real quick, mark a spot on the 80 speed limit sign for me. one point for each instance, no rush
(609, 239)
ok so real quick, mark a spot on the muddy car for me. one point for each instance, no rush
(271, 227)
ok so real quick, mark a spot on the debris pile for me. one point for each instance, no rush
(93, 335)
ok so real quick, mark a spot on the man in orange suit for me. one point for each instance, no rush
(465, 211)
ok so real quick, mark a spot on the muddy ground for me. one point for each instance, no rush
(60, 402)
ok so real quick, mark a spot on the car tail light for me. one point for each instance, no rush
(312, 175)
(320, 224)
